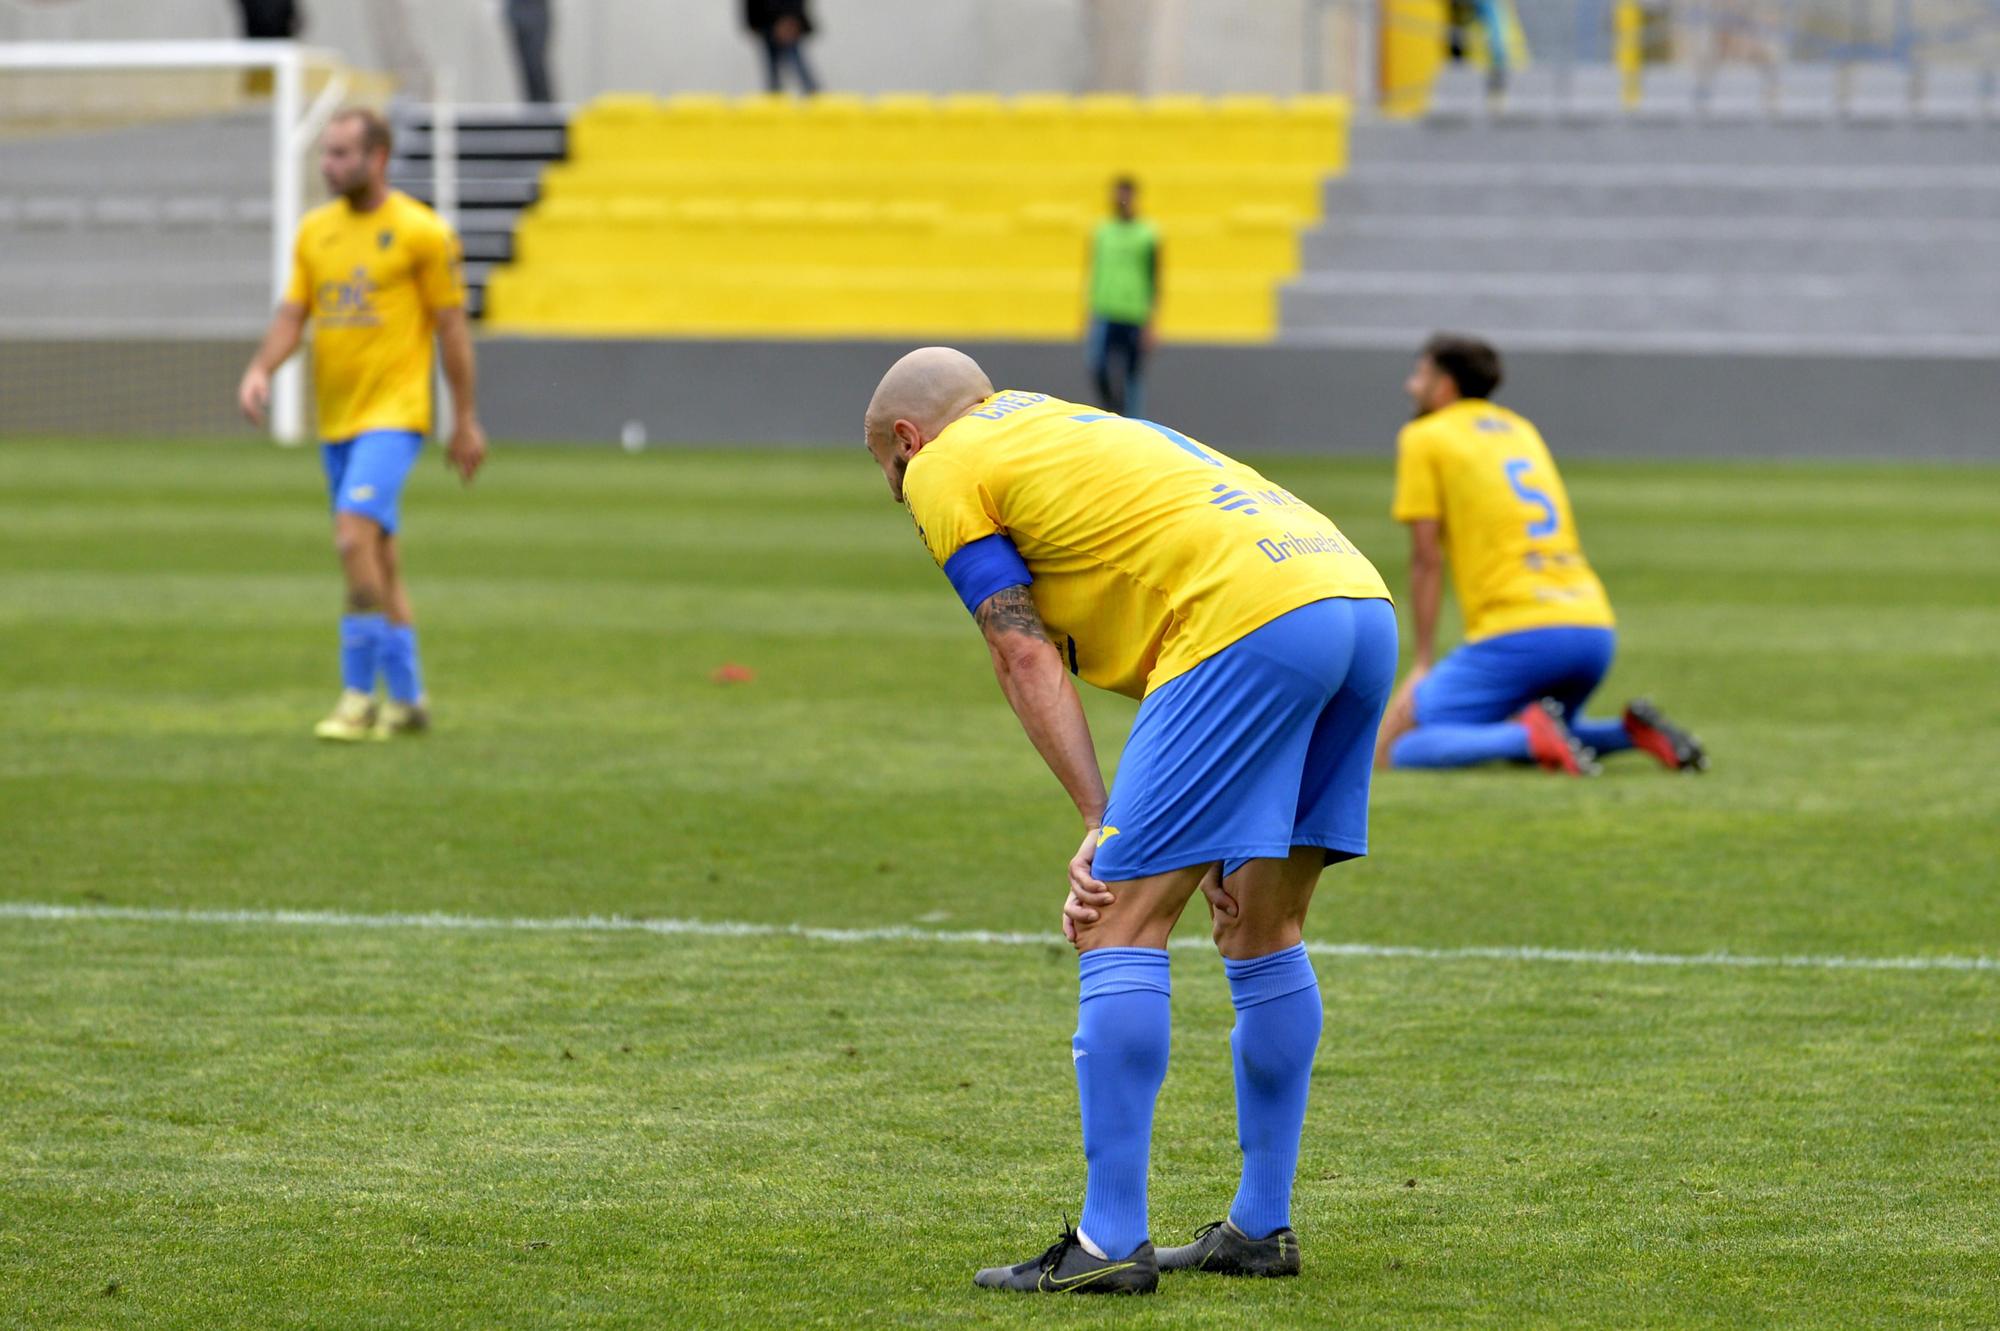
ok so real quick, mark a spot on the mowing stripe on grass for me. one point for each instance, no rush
(896, 933)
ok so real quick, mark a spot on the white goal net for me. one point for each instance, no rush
(148, 195)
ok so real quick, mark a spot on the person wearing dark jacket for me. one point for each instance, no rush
(783, 26)
(529, 22)
(270, 20)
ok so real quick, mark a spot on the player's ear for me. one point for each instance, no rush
(908, 439)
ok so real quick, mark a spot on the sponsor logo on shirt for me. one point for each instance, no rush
(347, 304)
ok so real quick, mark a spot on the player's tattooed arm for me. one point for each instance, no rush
(1032, 675)
(1010, 610)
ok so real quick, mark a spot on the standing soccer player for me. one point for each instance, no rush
(1263, 646)
(1476, 480)
(378, 274)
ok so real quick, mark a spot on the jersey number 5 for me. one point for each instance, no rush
(1548, 522)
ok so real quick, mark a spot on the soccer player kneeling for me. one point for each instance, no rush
(1475, 479)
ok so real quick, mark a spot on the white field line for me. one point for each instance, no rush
(621, 924)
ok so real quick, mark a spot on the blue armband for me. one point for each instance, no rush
(988, 565)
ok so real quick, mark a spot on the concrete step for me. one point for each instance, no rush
(490, 246)
(511, 194)
(1646, 303)
(418, 116)
(1656, 245)
(1943, 194)
(1639, 142)
(472, 220)
(91, 245)
(134, 213)
(210, 154)
(114, 300)
(1406, 335)
(531, 144)
(419, 170)
(115, 273)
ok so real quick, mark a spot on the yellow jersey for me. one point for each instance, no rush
(1149, 552)
(373, 284)
(1487, 478)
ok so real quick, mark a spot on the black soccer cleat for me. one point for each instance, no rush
(1675, 749)
(1068, 1268)
(1224, 1249)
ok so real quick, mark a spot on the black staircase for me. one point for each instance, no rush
(501, 153)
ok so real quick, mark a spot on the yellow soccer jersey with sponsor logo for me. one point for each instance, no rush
(373, 284)
(1149, 552)
(1487, 478)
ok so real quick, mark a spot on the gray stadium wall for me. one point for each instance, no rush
(1267, 398)
(1271, 398)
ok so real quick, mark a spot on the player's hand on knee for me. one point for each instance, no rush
(1219, 900)
(1071, 910)
(1086, 894)
(1082, 882)
(1080, 910)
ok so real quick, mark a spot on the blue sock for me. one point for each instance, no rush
(1604, 736)
(1122, 1021)
(1277, 1029)
(1461, 746)
(400, 669)
(360, 650)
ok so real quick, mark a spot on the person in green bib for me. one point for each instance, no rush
(1124, 293)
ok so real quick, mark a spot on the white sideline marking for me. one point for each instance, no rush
(896, 933)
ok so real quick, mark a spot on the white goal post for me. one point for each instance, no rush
(57, 99)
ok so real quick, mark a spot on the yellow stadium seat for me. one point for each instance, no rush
(611, 126)
(1039, 128)
(902, 123)
(1318, 129)
(1251, 129)
(761, 128)
(909, 215)
(1110, 131)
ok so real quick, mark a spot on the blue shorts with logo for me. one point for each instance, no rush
(1267, 745)
(365, 474)
(1494, 678)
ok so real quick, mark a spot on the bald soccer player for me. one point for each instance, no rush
(1263, 647)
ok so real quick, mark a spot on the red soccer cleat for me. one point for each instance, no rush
(1676, 749)
(1551, 744)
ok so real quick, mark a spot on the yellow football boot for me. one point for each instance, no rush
(351, 720)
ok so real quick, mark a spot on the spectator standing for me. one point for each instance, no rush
(529, 22)
(1124, 293)
(269, 20)
(783, 26)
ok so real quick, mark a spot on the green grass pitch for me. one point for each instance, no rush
(270, 1124)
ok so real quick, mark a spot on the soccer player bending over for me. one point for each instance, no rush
(1475, 481)
(378, 274)
(1263, 647)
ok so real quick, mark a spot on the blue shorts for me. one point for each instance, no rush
(365, 474)
(1266, 745)
(1494, 678)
